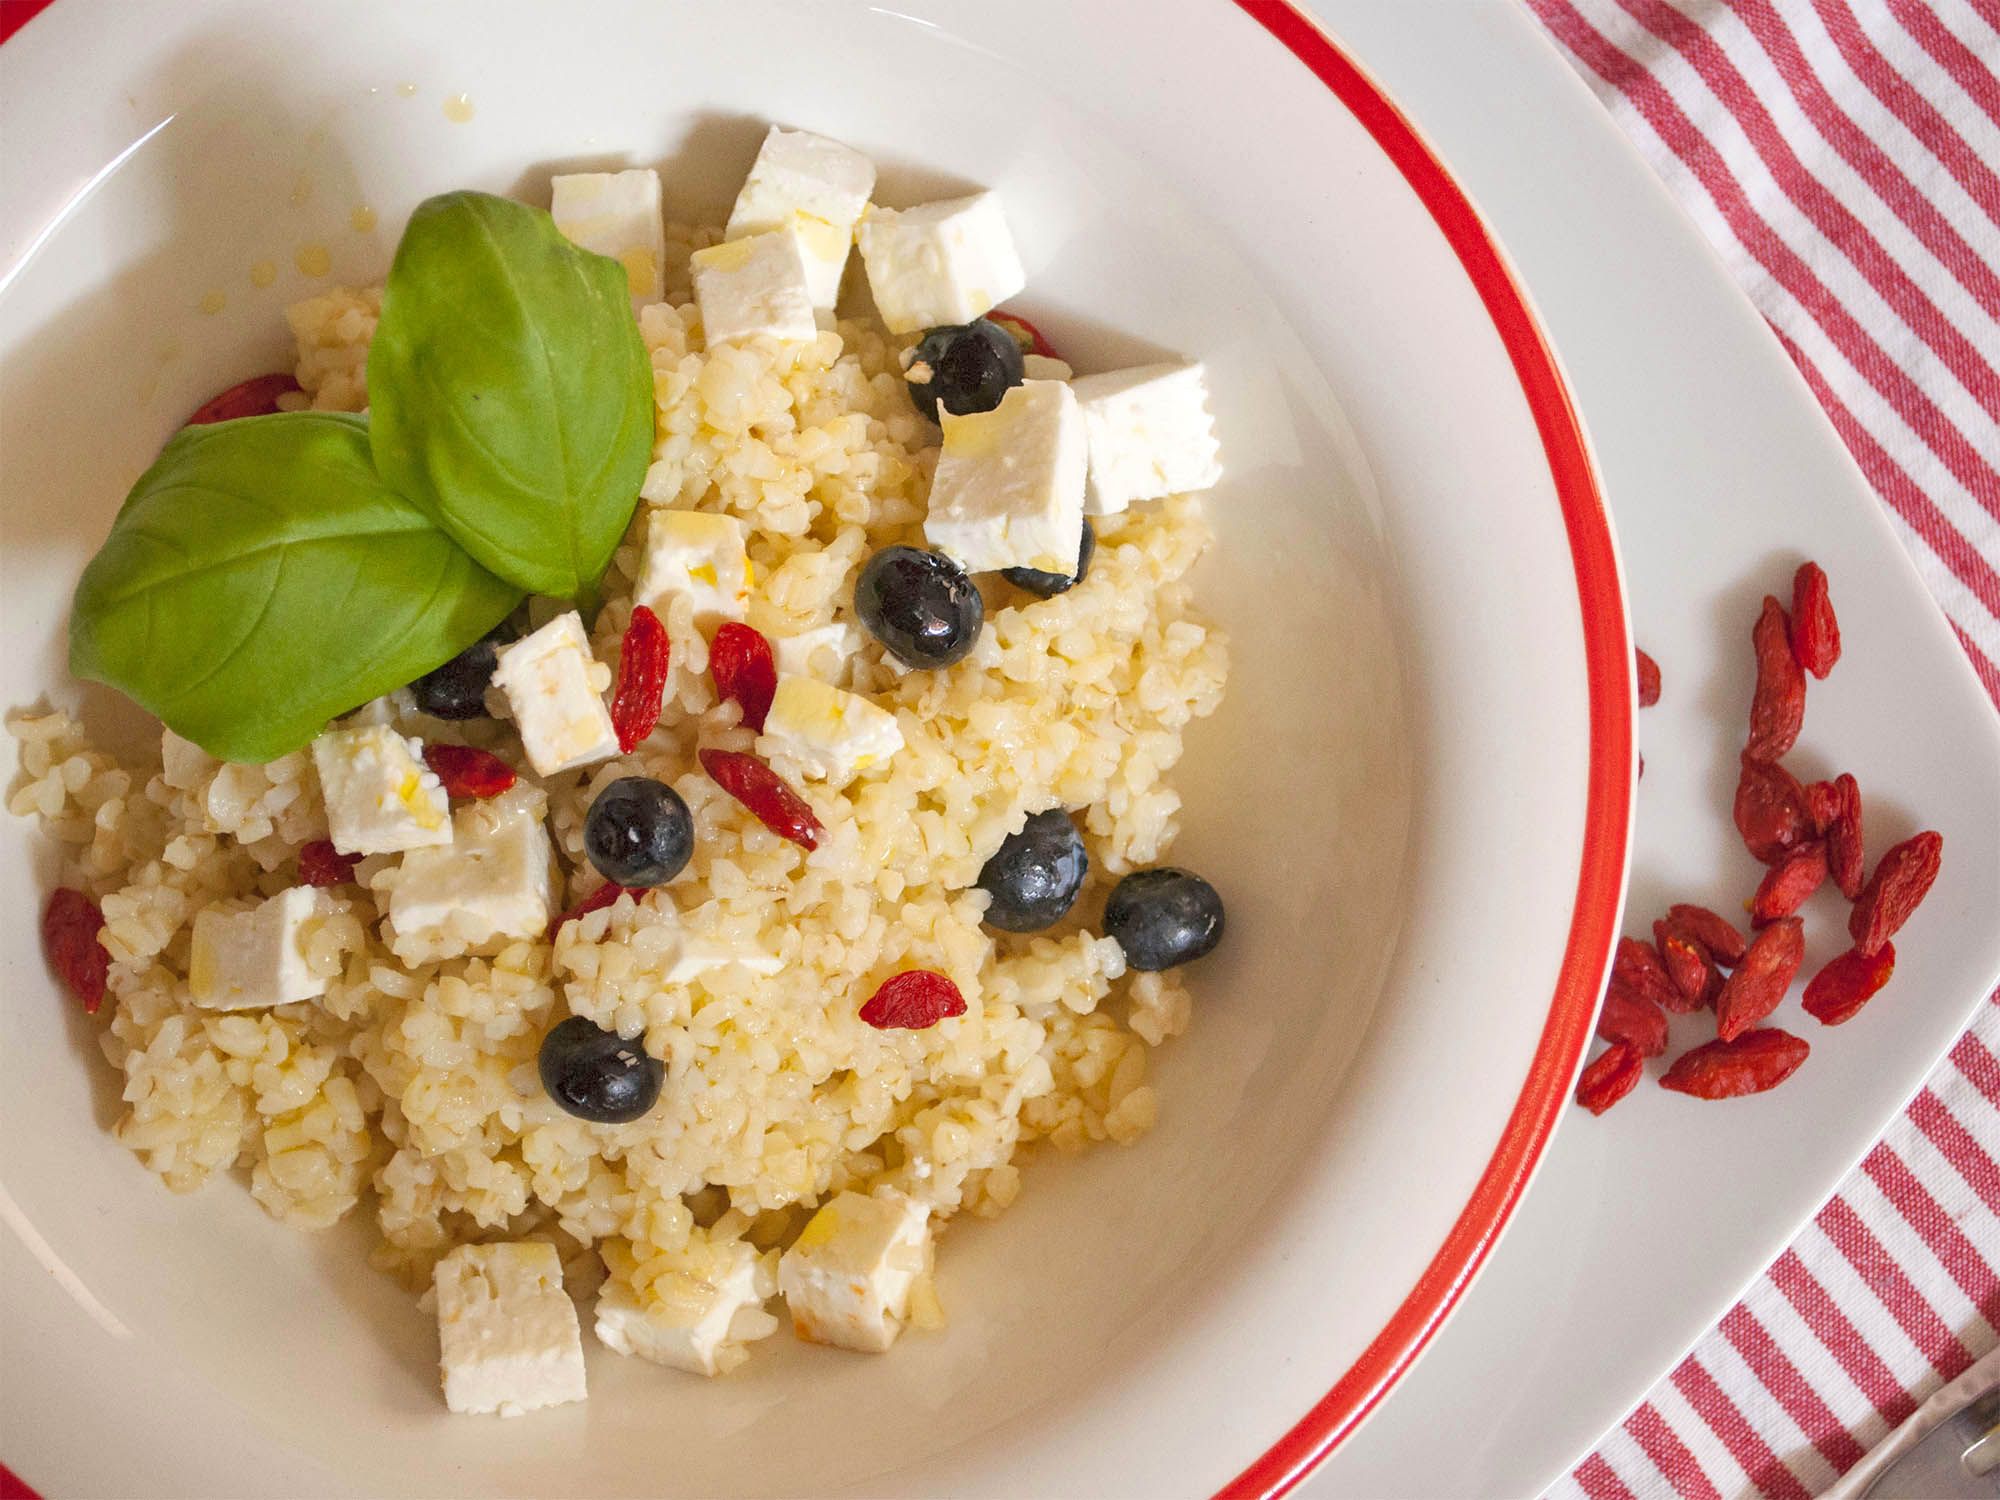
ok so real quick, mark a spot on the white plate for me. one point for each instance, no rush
(1720, 471)
(1416, 800)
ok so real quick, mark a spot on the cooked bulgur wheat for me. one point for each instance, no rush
(418, 1079)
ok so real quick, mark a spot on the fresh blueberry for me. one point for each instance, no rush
(963, 367)
(638, 832)
(1163, 917)
(1035, 874)
(920, 605)
(597, 1075)
(1048, 585)
(457, 690)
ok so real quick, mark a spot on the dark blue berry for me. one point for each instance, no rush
(1035, 874)
(1048, 585)
(457, 690)
(921, 605)
(597, 1075)
(963, 367)
(638, 832)
(1163, 917)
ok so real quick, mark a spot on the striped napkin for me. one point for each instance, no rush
(1843, 157)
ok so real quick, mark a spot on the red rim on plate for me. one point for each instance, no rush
(1600, 879)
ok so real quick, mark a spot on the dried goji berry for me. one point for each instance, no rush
(1695, 977)
(642, 678)
(256, 397)
(70, 924)
(1637, 967)
(1788, 883)
(1846, 984)
(1026, 334)
(322, 864)
(741, 663)
(1778, 703)
(1843, 837)
(1822, 805)
(1770, 810)
(912, 1000)
(1815, 631)
(1724, 943)
(763, 791)
(602, 897)
(1609, 1078)
(1752, 1063)
(1628, 1016)
(467, 772)
(1760, 981)
(1649, 679)
(1902, 878)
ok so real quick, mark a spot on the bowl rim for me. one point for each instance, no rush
(1608, 663)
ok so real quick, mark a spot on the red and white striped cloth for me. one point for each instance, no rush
(1843, 156)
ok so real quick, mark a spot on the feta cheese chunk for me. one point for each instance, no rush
(700, 555)
(697, 1319)
(380, 796)
(847, 1279)
(701, 955)
(246, 960)
(944, 262)
(814, 187)
(825, 652)
(1008, 492)
(508, 1340)
(754, 288)
(617, 214)
(826, 731)
(1150, 435)
(554, 689)
(495, 883)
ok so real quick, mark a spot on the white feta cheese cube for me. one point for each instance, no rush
(246, 960)
(380, 796)
(1150, 435)
(826, 731)
(754, 288)
(508, 1340)
(702, 955)
(944, 262)
(700, 555)
(554, 689)
(1008, 491)
(814, 187)
(617, 214)
(495, 883)
(826, 652)
(847, 1278)
(696, 1319)
(1043, 367)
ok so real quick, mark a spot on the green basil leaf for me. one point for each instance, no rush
(510, 395)
(262, 579)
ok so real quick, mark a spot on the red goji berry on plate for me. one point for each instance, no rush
(1696, 979)
(912, 1000)
(1901, 880)
(1788, 883)
(468, 772)
(321, 864)
(70, 924)
(642, 678)
(597, 900)
(1778, 703)
(1630, 1017)
(1609, 1078)
(1637, 966)
(1715, 933)
(1822, 805)
(1760, 981)
(743, 668)
(1770, 810)
(1649, 679)
(1849, 982)
(1752, 1063)
(256, 397)
(1843, 838)
(1026, 334)
(1815, 631)
(759, 788)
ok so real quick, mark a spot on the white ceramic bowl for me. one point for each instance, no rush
(1416, 798)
